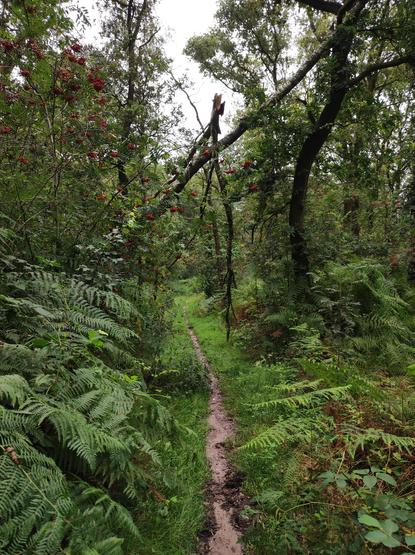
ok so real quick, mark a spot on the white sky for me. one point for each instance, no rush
(179, 20)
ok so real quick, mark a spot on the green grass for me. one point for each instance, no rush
(170, 527)
(274, 477)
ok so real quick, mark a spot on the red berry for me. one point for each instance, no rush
(114, 154)
(173, 209)
(8, 45)
(131, 146)
(206, 152)
(88, 134)
(24, 72)
(76, 47)
(103, 124)
(150, 216)
(247, 164)
(57, 90)
(93, 154)
(22, 160)
(253, 187)
(96, 82)
(194, 194)
(5, 130)
(64, 74)
(81, 60)
(71, 57)
(230, 171)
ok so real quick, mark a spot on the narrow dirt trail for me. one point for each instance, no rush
(224, 497)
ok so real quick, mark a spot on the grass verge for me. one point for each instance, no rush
(174, 512)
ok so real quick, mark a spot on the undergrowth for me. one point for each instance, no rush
(92, 460)
(325, 450)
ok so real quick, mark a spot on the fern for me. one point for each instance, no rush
(76, 437)
(306, 421)
(362, 305)
(356, 438)
(290, 430)
(305, 400)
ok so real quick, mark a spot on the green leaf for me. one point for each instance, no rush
(410, 540)
(411, 369)
(40, 310)
(386, 478)
(376, 536)
(389, 526)
(39, 342)
(391, 541)
(341, 482)
(362, 471)
(368, 520)
(370, 481)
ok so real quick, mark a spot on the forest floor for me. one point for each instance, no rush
(231, 507)
(223, 493)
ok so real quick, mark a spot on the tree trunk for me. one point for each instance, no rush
(411, 202)
(230, 275)
(351, 214)
(216, 242)
(311, 148)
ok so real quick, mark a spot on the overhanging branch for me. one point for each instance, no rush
(323, 5)
(378, 66)
(250, 120)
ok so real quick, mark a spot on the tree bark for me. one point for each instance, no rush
(351, 210)
(230, 274)
(216, 242)
(411, 202)
(313, 145)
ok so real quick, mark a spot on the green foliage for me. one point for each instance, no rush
(76, 433)
(298, 420)
(377, 493)
(360, 439)
(361, 304)
(290, 430)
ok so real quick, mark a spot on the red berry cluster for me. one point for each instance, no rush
(35, 48)
(97, 82)
(8, 45)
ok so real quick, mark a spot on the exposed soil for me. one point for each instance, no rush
(224, 498)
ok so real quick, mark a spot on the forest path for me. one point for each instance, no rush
(223, 491)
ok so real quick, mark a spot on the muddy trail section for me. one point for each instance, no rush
(224, 499)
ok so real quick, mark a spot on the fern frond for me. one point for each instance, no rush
(358, 438)
(309, 399)
(13, 388)
(290, 430)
